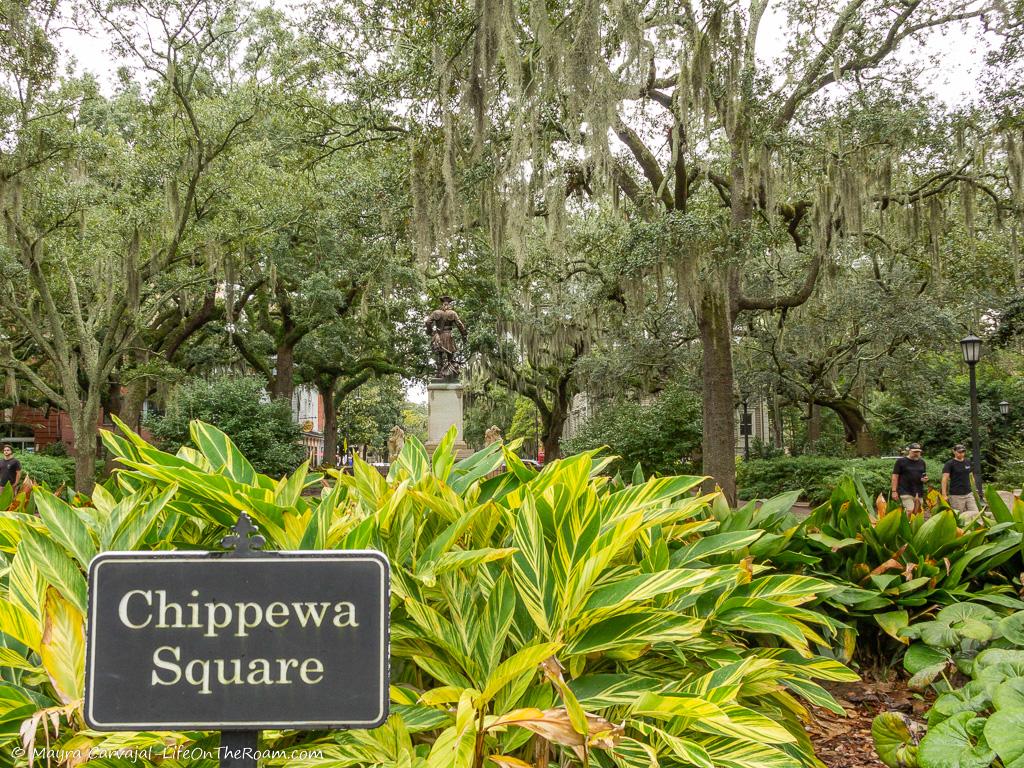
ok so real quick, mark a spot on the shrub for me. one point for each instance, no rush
(970, 725)
(49, 470)
(663, 437)
(238, 405)
(817, 476)
(1009, 473)
(891, 565)
(58, 448)
(532, 613)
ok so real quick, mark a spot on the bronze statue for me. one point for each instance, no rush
(439, 325)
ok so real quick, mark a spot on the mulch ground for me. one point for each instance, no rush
(845, 742)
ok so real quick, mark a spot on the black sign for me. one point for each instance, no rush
(199, 641)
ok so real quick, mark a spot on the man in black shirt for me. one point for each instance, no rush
(10, 469)
(956, 485)
(908, 478)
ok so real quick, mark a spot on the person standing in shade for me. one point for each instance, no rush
(10, 469)
(956, 485)
(908, 478)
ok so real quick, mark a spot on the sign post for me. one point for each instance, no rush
(238, 748)
(237, 641)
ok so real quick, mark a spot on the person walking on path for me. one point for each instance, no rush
(908, 478)
(956, 485)
(10, 469)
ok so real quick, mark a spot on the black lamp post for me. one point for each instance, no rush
(971, 348)
(1004, 408)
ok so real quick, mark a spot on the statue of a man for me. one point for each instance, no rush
(440, 324)
(396, 442)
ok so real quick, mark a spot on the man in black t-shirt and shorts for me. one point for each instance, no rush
(956, 485)
(908, 479)
(10, 469)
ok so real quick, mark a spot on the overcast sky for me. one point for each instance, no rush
(958, 55)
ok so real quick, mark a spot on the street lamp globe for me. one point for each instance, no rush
(1004, 408)
(971, 347)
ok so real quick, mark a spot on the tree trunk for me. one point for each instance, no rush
(855, 425)
(719, 439)
(551, 436)
(553, 421)
(813, 425)
(85, 424)
(113, 403)
(131, 404)
(284, 378)
(778, 441)
(326, 390)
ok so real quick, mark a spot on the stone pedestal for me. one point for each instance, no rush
(444, 410)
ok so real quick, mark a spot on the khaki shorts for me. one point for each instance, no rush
(965, 506)
(909, 503)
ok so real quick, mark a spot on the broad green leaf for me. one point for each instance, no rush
(997, 506)
(222, 453)
(18, 623)
(1012, 628)
(289, 489)
(62, 647)
(645, 628)
(710, 546)
(815, 694)
(742, 723)
(444, 455)
(57, 568)
(467, 558)
(610, 690)
(475, 467)
(937, 531)
(412, 463)
(453, 748)
(688, 751)
(420, 719)
(14, 660)
(632, 753)
(919, 656)
(757, 620)
(645, 586)
(894, 743)
(138, 521)
(668, 706)
(729, 753)
(530, 571)
(893, 622)
(66, 526)
(1009, 694)
(950, 744)
(1004, 732)
(926, 676)
(26, 585)
(523, 661)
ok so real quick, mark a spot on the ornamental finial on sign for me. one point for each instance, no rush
(246, 538)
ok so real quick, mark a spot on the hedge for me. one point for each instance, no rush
(53, 471)
(818, 475)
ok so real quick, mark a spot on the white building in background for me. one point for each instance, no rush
(308, 412)
(760, 424)
(580, 411)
